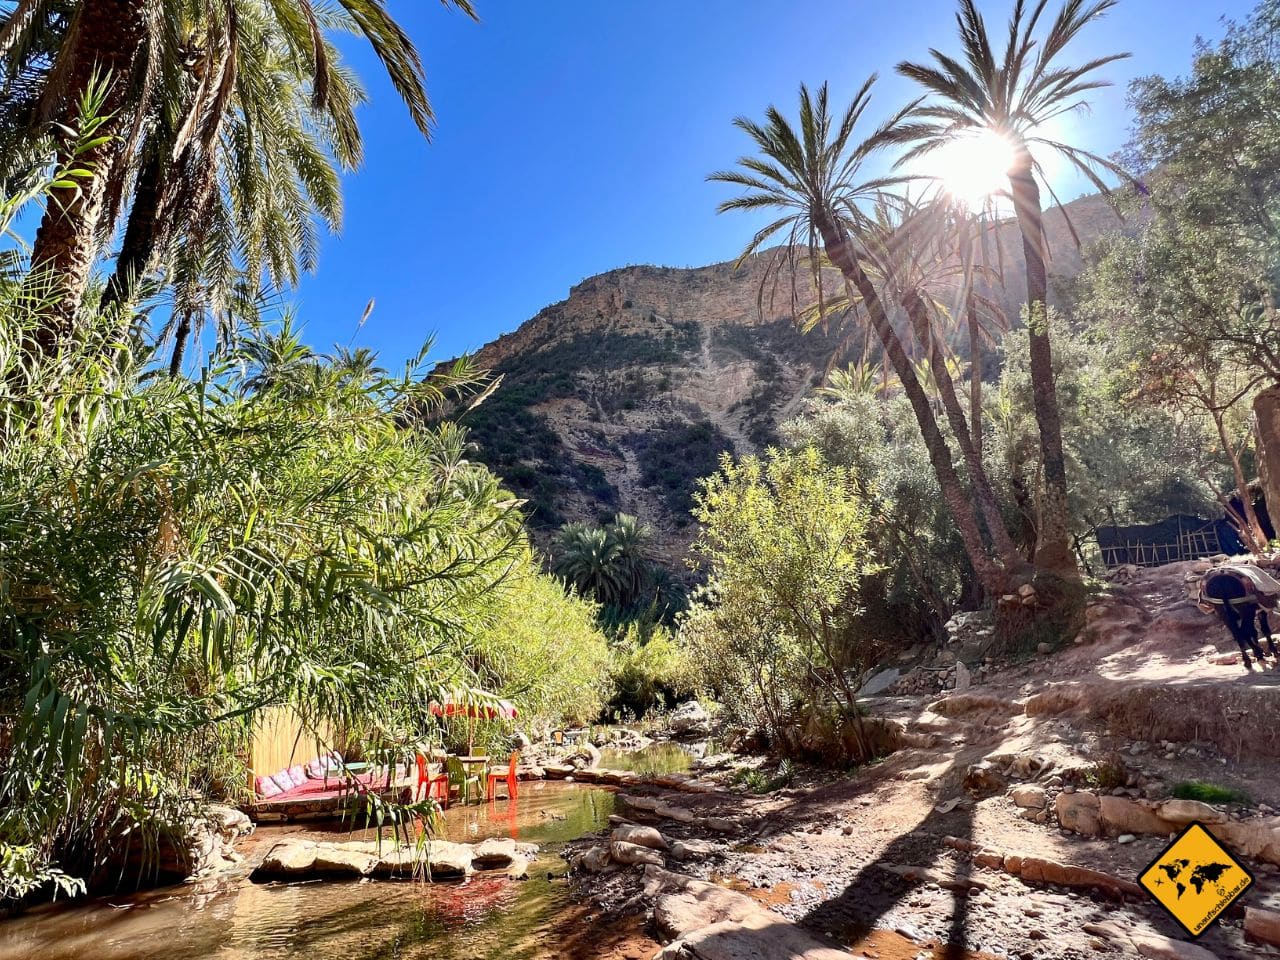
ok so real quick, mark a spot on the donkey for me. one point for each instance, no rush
(1234, 593)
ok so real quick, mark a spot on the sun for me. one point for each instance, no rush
(974, 167)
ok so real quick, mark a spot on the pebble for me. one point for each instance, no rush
(1126, 838)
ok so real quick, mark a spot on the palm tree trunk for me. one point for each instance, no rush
(975, 373)
(991, 515)
(181, 334)
(107, 38)
(141, 237)
(1053, 552)
(839, 249)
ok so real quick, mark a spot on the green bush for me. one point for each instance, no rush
(1208, 792)
(647, 670)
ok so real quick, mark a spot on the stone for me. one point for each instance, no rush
(518, 869)
(880, 682)
(682, 904)
(1123, 815)
(983, 778)
(1182, 812)
(641, 837)
(1126, 838)
(1079, 812)
(445, 860)
(630, 854)
(1154, 946)
(340, 860)
(1029, 795)
(595, 860)
(1262, 925)
(963, 678)
(288, 857)
(690, 719)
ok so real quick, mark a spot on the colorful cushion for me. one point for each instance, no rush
(298, 774)
(283, 780)
(265, 787)
(316, 768)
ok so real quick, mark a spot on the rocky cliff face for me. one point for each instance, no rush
(621, 396)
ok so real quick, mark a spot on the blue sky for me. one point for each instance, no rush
(574, 137)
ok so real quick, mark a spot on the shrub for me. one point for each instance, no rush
(1208, 792)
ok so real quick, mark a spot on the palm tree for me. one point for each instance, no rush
(53, 51)
(1014, 95)
(609, 563)
(811, 174)
(587, 559)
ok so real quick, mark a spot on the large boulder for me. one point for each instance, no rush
(690, 719)
(641, 836)
(630, 854)
(1182, 812)
(1079, 812)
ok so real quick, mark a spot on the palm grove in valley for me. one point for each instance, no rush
(207, 522)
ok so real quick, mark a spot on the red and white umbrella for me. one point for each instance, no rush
(453, 706)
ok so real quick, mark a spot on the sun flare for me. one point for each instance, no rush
(974, 167)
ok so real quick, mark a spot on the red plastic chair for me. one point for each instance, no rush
(497, 776)
(437, 784)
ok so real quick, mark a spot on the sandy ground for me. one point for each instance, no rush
(824, 852)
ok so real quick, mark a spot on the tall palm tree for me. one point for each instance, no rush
(141, 48)
(1015, 95)
(812, 175)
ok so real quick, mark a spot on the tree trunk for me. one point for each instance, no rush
(839, 249)
(181, 334)
(1266, 409)
(1000, 538)
(107, 40)
(1053, 552)
(1255, 538)
(141, 238)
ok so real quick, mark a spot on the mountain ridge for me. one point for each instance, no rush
(620, 396)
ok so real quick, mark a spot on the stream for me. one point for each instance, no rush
(231, 918)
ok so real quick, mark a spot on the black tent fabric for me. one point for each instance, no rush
(1179, 537)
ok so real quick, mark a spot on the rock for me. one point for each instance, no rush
(1126, 838)
(1079, 812)
(1182, 812)
(630, 854)
(983, 778)
(445, 860)
(682, 904)
(518, 869)
(595, 860)
(1122, 815)
(286, 858)
(690, 719)
(500, 851)
(340, 860)
(880, 682)
(585, 756)
(641, 837)
(1026, 590)
(1157, 947)
(963, 678)
(1262, 925)
(1029, 795)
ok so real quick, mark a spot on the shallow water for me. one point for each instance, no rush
(233, 919)
(662, 756)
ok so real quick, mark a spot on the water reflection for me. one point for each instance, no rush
(488, 916)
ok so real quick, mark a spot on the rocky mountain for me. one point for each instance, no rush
(621, 396)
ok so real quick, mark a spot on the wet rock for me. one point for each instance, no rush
(286, 858)
(342, 861)
(518, 869)
(690, 719)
